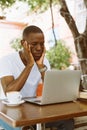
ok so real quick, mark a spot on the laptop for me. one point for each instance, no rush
(59, 86)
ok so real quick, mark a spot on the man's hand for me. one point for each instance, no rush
(40, 61)
(28, 55)
(40, 64)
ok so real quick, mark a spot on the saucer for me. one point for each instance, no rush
(12, 104)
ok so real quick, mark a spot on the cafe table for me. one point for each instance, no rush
(30, 114)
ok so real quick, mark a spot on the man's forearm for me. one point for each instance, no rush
(17, 84)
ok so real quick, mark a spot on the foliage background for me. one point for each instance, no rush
(16, 44)
(59, 56)
(34, 5)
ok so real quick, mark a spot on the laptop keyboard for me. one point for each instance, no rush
(37, 99)
(34, 99)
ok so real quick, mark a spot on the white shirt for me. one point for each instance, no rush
(12, 65)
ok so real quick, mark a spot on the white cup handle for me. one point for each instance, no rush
(20, 96)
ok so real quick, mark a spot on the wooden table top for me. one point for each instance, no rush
(28, 114)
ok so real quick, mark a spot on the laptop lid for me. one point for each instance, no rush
(59, 86)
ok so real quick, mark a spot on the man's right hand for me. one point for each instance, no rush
(27, 53)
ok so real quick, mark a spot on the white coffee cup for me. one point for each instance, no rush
(14, 97)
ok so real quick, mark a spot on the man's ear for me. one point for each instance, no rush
(22, 42)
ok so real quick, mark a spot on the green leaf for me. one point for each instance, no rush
(59, 56)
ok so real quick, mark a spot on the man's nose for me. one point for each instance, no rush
(38, 47)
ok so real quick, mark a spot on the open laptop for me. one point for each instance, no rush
(59, 86)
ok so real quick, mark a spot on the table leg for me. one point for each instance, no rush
(40, 126)
(43, 126)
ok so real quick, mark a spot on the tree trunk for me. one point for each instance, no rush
(80, 41)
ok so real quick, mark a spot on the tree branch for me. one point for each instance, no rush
(53, 22)
(85, 32)
(80, 41)
(69, 19)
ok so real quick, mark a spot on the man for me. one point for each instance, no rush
(22, 71)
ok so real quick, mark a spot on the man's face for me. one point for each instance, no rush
(36, 41)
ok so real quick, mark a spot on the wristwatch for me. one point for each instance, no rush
(43, 69)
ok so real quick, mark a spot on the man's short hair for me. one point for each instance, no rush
(31, 29)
